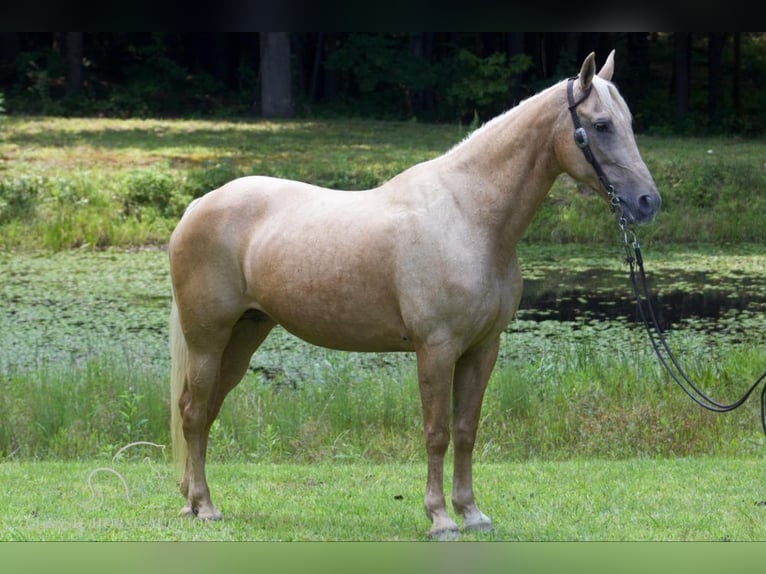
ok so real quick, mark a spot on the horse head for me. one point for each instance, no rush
(603, 153)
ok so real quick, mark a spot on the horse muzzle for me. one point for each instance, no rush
(639, 207)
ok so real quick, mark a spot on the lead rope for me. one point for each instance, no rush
(635, 260)
(644, 303)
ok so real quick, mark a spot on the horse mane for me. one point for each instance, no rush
(515, 110)
(607, 92)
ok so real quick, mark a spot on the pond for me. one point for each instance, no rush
(65, 308)
(595, 295)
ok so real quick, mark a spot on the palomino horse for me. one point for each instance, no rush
(426, 263)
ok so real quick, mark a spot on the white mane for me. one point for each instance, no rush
(607, 93)
(500, 118)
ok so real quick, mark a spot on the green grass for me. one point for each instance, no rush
(700, 498)
(565, 400)
(67, 183)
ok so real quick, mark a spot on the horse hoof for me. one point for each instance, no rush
(209, 516)
(482, 524)
(186, 512)
(203, 514)
(445, 534)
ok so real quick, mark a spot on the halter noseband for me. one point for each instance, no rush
(581, 140)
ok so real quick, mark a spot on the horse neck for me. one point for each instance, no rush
(506, 167)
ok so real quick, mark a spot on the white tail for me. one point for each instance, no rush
(179, 354)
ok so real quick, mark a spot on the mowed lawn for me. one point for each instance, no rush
(701, 499)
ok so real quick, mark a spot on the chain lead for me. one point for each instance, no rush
(668, 359)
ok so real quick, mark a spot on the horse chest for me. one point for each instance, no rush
(473, 304)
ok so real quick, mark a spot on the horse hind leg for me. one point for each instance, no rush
(203, 368)
(247, 335)
(211, 376)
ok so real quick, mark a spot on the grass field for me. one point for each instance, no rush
(702, 499)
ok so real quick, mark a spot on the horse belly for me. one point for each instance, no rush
(345, 335)
(349, 320)
(331, 293)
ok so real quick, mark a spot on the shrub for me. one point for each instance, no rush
(149, 189)
(212, 176)
(19, 197)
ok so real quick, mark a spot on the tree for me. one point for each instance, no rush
(715, 76)
(736, 83)
(276, 77)
(74, 77)
(681, 73)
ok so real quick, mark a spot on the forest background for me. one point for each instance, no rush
(677, 83)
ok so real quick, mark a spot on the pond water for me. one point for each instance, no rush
(606, 295)
(66, 308)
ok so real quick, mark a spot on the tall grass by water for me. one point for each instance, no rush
(571, 400)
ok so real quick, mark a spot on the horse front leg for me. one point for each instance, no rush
(435, 368)
(472, 373)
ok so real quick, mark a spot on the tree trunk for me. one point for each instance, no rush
(316, 68)
(276, 77)
(515, 48)
(681, 73)
(638, 72)
(419, 47)
(9, 50)
(715, 73)
(736, 88)
(74, 75)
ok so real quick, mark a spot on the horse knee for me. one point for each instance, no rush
(464, 435)
(437, 440)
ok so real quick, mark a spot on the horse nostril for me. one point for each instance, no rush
(648, 203)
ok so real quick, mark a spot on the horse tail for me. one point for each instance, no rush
(179, 355)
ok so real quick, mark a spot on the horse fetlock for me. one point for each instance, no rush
(442, 525)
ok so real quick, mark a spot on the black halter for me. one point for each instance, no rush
(581, 140)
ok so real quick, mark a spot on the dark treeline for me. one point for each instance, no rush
(675, 82)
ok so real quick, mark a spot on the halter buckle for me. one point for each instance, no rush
(581, 138)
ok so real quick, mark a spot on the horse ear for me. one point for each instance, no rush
(608, 68)
(587, 71)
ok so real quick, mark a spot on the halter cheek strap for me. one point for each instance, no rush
(581, 140)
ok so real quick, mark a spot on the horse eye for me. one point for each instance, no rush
(601, 126)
